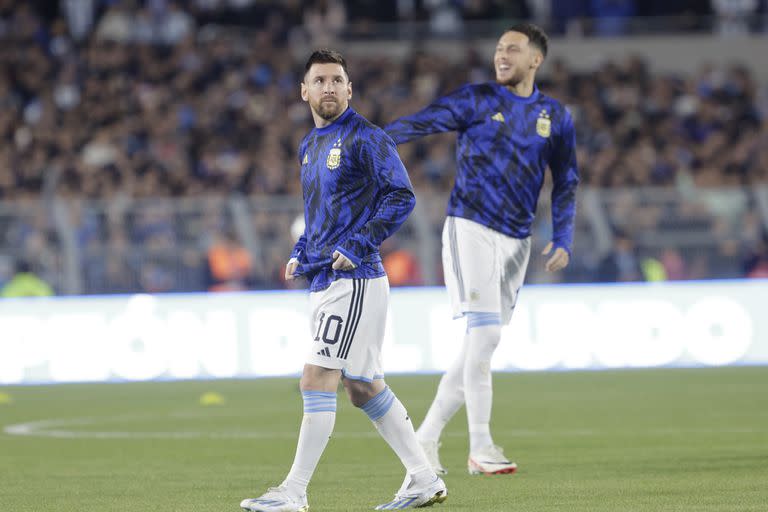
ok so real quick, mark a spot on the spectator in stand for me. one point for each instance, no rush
(621, 264)
(401, 265)
(117, 119)
(229, 264)
(611, 17)
(324, 21)
(25, 283)
(756, 264)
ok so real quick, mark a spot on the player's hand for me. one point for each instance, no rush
(559, 259)
(290, 268)
(341, 262)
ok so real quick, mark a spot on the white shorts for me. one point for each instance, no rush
(483, 268)
(347, 321)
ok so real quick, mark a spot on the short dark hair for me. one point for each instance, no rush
(536, 36)
(326, 56)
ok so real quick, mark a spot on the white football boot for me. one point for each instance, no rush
(490, 461)
(431, 451)
(276, 499)
(411, 495)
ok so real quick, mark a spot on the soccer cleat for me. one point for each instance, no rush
(276, 499)
(430, 450)
(412, 496)
(490, 461)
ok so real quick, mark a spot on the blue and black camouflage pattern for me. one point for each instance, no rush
(356, 194)
(505, 143)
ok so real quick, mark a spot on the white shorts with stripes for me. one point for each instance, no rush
(483, 268)
(347, 322)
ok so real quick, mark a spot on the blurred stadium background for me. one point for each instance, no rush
(149, 147)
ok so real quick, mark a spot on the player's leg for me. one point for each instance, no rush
(421, 487)
(484, 331)
(318, 389)
(478, 269)
(450, 392)
(448, 400)
(364, 383)
(319, 382)
(483, 335)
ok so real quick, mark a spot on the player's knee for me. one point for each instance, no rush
(314, 378)
(454, 376)
(360, 392)
(360, 397)
(307, 384)
(483, 340)
(478, 370)
(480, 351)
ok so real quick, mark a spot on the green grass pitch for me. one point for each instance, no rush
(639, 440)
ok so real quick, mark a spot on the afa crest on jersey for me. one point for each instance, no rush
(334, 156)
(544, 124)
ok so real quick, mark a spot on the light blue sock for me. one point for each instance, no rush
(316, 429)
(393, 423)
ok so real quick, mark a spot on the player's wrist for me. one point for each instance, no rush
(559, 245)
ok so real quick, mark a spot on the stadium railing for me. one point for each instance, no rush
(157, 245)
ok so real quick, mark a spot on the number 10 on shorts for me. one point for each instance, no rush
(330, 328)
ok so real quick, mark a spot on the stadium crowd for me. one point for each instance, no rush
(147, 105)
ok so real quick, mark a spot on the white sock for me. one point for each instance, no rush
(448, 400)
(316, 429)
(393, 423)
(483, 334)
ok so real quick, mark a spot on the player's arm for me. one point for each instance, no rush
(301, 243)
(395, 199)
(446, 114)
(294, 259)
(565, 178)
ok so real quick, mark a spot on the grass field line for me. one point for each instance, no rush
(52, 428)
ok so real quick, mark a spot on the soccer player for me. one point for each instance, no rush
(508, 133)
(356, 193)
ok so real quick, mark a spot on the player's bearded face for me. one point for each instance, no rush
(513, 59)
(327, 90)
(328, 107)
(509, 76)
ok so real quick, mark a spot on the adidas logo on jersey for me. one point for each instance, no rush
(498, 116)
(325, 352)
